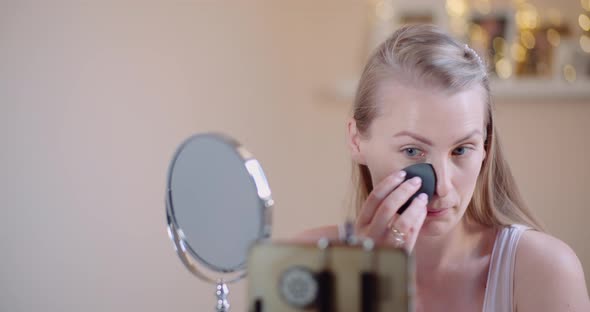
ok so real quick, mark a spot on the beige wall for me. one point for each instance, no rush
(94, 97)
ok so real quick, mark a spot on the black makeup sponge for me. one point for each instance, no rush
(426, 173)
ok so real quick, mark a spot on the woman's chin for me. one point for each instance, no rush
(438, 226)
(434, 229)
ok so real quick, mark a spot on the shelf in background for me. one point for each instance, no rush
(511, 90)
(538, 89)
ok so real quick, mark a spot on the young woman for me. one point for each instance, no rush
(424, 97)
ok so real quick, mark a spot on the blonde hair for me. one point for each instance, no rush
(423, 55)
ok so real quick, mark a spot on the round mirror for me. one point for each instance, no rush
(218, 203)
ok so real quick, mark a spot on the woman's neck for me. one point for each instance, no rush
(449, 252)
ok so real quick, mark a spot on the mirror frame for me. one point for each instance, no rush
(191, 260)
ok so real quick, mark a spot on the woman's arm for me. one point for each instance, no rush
(548, 276)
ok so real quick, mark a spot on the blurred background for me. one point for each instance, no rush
(96, 95)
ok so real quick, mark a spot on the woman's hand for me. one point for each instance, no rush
(379, 212)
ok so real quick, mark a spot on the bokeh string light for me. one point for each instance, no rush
(532, 49)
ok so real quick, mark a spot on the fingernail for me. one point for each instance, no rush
(415, 180)
(401, 174)
(423, 197)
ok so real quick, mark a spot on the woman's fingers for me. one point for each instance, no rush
(390, 205)
(379, 193)
(410, 222)
(379, 211)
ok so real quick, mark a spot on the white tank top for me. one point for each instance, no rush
(499, 288)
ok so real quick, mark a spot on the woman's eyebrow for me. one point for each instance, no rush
(469, 136)
(429, 143)
(413, 136)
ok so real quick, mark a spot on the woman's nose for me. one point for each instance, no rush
(443, 178)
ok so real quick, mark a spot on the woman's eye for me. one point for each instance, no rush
(460, 151)
(413, 152)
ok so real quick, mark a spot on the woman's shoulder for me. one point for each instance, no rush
(535, 247)
(313, 234)
(548, 275)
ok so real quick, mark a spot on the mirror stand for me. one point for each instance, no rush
(222, 292)
(221, 288)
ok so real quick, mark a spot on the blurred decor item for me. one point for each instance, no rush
(487, 36)
(387, 15)
(416, 18)
(532, 51)
(520, 44)
(457, 12)
(582, 60)
(530, 45)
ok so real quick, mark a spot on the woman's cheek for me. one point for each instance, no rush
(383, 167)
(472, 172)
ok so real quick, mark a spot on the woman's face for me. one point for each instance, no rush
(422, 125)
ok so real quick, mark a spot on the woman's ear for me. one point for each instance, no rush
(354, 142)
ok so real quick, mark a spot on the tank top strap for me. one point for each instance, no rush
(499, 287)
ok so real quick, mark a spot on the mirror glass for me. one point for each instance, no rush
(218, 203)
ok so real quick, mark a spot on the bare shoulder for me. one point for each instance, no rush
(548, 275)
(313, 234)
(537, 246)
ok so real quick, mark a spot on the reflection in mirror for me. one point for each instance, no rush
(218, 203)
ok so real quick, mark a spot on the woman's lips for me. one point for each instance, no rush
(436, 212)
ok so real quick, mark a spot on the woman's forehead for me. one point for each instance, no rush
(433, 113)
